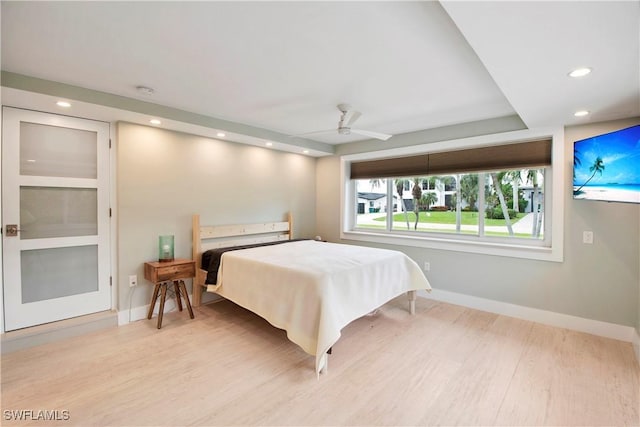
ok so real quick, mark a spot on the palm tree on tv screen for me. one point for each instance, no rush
(576, 161)
(597, 167)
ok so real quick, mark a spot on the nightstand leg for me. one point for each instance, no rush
(176, 287)
(163, 297)
(186, 298)
(153, 300)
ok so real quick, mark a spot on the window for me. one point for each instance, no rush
(488, 198)
(512, 209)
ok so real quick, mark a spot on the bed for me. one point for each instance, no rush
(311, 289)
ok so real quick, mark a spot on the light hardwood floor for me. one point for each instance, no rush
(447, 365)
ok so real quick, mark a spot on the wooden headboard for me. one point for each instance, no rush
(224, 236)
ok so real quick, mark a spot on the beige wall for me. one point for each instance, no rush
(598, 281)
(164, 177)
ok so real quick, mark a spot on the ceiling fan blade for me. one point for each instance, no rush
(318, 132)
(351, 117)
(376, 135)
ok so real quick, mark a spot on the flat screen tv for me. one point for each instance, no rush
(607, 167)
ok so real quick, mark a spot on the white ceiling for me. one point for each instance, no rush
(284, 66)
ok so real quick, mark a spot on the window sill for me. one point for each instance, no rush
(538, 253)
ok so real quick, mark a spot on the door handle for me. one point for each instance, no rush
(12, 230)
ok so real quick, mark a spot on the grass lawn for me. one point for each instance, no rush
(468, 218)
(442, 230)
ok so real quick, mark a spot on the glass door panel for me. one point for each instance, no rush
(59, 272)
(57, 151)
(47, 212)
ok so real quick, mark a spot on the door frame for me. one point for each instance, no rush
(112, 167)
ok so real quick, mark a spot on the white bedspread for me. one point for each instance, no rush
(314, 289)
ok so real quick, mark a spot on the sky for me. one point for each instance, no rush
(620, 153)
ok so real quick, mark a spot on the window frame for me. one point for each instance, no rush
(551, 248)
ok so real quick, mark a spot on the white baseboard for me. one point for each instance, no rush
(133, 314)
(138, 313)
(594, 327)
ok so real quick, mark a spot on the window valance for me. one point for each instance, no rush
(530, 154)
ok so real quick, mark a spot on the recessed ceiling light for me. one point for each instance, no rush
(31, 160)
(580, 72)
(63, 104)
(221, 134)
(305, 151)
(269, 144)
(145, 90)
(581, 113)
(155, 122)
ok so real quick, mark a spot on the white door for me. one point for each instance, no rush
(55, 217)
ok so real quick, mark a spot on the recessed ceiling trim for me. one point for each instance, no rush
(444, 133)
(47, 87)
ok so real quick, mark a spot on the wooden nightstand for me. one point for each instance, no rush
(161, 274)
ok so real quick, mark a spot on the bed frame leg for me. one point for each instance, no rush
(324, 362)
(196, 293)
(412, 302)
(325, 368)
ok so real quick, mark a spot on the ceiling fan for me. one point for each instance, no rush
(347, 118)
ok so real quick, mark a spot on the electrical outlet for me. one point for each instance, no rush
(133, 280)
(427, 266)
(587, 237)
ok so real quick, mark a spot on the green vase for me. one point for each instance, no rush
(165, 248)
